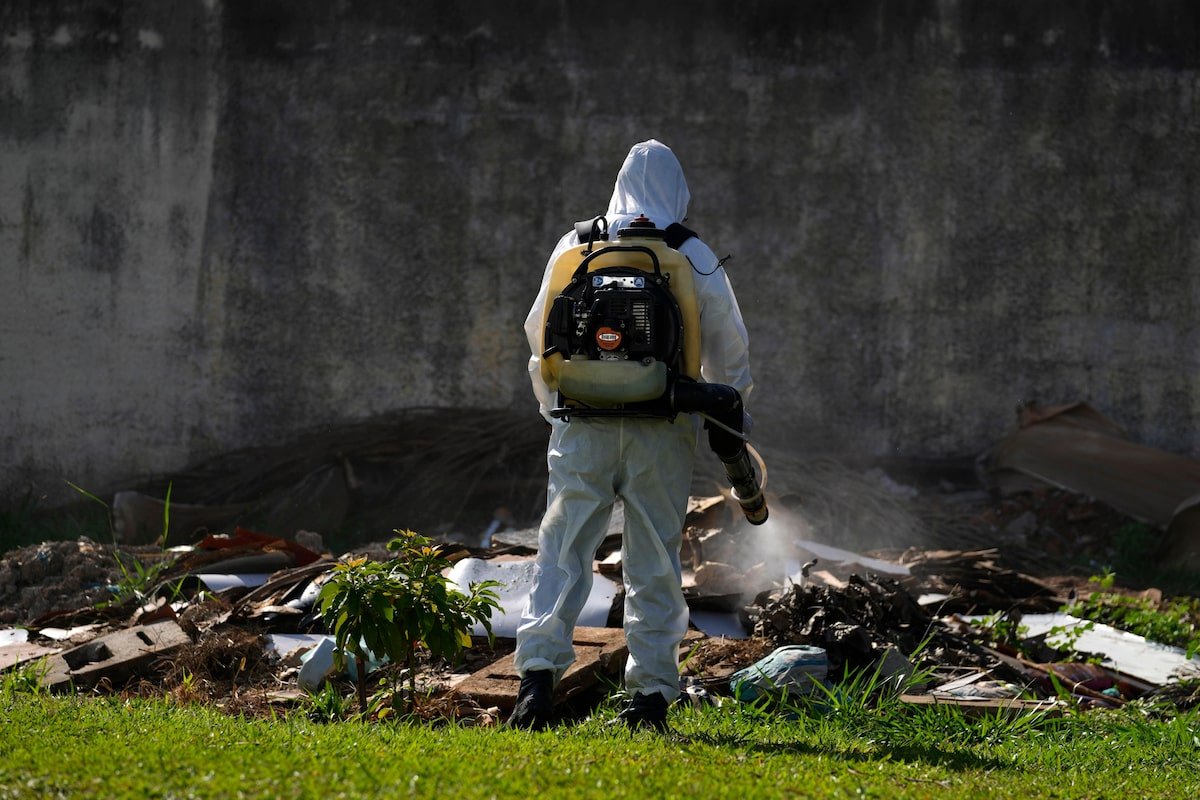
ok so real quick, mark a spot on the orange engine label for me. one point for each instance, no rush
(608, 339)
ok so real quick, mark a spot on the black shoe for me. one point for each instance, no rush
(645, 711)
(535, 701)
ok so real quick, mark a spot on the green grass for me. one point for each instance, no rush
(79, 747)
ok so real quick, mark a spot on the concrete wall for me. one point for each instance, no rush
(222, 223)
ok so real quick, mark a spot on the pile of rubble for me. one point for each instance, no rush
(56, 575)
(231, 618)
(855, 623)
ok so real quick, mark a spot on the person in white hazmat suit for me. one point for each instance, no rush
(645, 462)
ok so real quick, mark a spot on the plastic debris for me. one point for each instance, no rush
(793, 670)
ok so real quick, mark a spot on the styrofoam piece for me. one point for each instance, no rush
(220, 582)
(284, 644)
(317, 664)
(517, 579)
(62, 634)
(13, 636)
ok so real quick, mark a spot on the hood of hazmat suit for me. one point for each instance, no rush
(650, 182)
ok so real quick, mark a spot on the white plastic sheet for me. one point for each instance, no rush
(517, 579)
(1125, 652)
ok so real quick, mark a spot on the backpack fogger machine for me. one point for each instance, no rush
(622, 339)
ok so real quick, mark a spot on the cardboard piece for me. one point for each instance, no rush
(1076, 448)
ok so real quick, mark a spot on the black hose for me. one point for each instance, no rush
(724, 405)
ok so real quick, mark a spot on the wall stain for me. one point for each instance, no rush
(104, 241)
(30, 223)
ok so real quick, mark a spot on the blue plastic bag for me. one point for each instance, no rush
(794, 670)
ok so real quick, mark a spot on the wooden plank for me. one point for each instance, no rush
(990, 707)
(597, 651)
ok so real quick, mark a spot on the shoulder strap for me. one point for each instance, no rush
(583, 229)
(675, 235)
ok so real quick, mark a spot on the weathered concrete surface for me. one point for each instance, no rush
(116, 657)
(221, 223)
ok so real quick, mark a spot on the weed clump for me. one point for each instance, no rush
(1173, 621)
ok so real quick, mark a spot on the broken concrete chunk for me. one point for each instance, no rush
(12, 655)
(116, 657)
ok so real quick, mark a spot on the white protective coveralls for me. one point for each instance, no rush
(645, 462)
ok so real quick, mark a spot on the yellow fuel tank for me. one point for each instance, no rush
(611, 254)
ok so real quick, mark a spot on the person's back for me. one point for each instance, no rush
(645, 462)
(651, 183)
